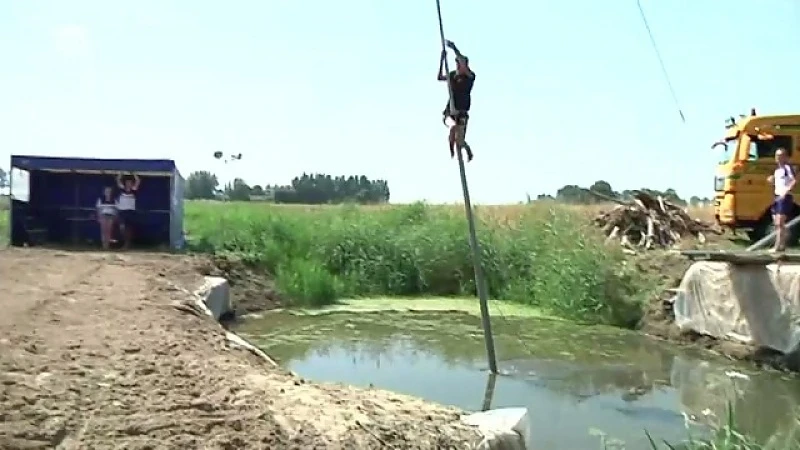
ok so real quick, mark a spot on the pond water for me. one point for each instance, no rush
(578, 382)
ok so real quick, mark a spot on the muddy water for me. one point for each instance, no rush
(580, 384)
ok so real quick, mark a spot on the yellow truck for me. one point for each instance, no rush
(742, 194)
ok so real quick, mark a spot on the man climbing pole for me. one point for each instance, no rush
(461, 82)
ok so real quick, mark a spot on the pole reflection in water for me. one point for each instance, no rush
(488, 393)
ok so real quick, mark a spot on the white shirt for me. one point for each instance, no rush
(126, 202)
(106, 208)
(783, 177)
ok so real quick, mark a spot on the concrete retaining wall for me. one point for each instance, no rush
(215, 294)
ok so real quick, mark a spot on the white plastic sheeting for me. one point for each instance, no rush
(754, 304)
(502, 429)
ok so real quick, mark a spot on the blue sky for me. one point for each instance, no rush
(567, 92)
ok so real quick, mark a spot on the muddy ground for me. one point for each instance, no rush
(99, 351)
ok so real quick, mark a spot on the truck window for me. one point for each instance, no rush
(761, 149)
(726, 150)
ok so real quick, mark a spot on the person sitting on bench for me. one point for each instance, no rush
(126, 206)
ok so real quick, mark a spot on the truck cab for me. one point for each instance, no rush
(742, 195)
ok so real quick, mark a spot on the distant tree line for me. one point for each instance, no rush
(574, 194)
(310, 189)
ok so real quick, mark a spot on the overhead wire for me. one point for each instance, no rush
(660, 60)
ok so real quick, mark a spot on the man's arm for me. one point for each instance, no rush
(442, 76)
(119, 181)
(136, 182)
(453, 47)
(460, 55)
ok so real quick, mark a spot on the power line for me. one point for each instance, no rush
(660, 60)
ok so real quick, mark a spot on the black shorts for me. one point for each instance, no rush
(460, 117)
(127, 217)
(783, 206)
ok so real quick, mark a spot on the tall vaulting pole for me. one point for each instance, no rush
(480, 280)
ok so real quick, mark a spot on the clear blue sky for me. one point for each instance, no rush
(567, 92)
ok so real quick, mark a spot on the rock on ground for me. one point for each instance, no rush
(97, 352)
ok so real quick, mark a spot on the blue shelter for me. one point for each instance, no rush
(53, 200)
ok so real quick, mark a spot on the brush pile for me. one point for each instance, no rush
(651, 222)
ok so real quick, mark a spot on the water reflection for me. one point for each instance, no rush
(488, 393)
(581, 378)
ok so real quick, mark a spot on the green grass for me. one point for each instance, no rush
(4, 207)
(724, 437)
(728, 437)
(547, 257)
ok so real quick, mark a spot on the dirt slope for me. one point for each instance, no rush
(94, 354)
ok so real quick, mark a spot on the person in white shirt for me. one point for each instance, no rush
(126, 205)
(106, 216)
(784, 181)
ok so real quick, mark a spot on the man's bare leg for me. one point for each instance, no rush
(462, 143)
(452, 141)
(778, 220)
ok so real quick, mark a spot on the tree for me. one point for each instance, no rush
(257, 190)
(238, 190)
(311, 189)
(201, 185)
(3, 179)
(579, 195)
(603, 188)
(574, 194)
(322, 188)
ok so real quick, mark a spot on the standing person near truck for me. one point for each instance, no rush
(784, 181)
(126, 206)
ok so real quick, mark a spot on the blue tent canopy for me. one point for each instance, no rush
(89, 164)
(56, 197)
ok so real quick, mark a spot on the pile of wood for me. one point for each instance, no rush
(651, 222)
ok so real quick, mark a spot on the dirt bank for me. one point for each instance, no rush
(252, 289)
(659, 320)
(97, 352)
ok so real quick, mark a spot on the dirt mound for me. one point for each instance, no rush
(100, 351)
(252, 289)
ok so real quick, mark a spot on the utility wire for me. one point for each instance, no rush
(660, 60)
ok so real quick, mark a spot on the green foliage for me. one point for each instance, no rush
(238, 191)
(724, 437)
(4, 225)
(201, 185)
(577, 195)
(728, 437)
(318, 189)
(307, 189)
(544, 258)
